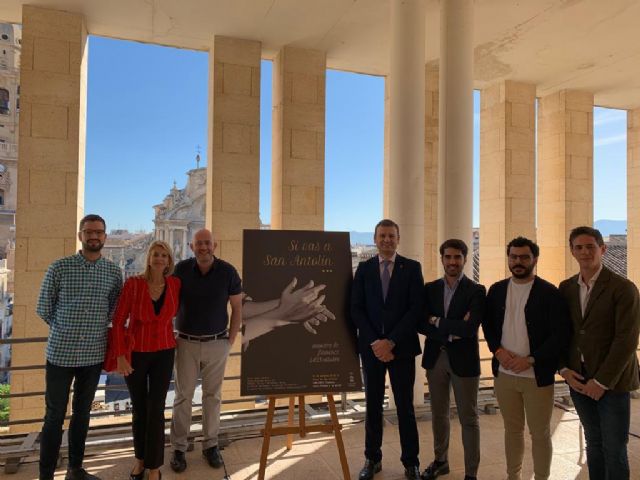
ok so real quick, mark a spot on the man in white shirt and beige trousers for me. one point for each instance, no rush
(526, 327)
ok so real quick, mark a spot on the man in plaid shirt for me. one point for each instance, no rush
(77, 298)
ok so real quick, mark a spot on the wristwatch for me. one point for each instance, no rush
(531, 360)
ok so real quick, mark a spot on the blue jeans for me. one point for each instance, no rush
(606, 432)
(56, 398)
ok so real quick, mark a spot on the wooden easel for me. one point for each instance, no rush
(301, 429)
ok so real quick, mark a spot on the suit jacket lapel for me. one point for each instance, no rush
(574, 299)
(439, 301)
(598, 288)
(375, 272)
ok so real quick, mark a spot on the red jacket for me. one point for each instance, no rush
(147, 331)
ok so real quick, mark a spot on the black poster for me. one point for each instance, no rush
(297, 336)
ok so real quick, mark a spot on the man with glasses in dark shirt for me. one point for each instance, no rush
(205, 337)
(527, 327)
(77, 299)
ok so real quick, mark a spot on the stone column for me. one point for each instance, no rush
(633, 195)
(565, 177)
(53, 76)
(455, 202)
(507, 173)
(406, 125)
(297, 163)
(404, 165)
(431, 266)
(233, 171)
(185, 242)
(171, 237)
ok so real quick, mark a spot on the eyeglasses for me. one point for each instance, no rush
(97, 233)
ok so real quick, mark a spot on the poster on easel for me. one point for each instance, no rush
(297, 334)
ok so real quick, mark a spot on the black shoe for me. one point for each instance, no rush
(212, 454)
(412, 473)
(178, 461)
(469, 477)
(137, 476)
(369, 470)
(435, 470)
(79, 474)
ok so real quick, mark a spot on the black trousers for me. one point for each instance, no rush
(402, 372)
(148, 385)
(58, 381)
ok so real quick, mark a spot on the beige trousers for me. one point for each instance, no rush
(193, 360)
(520, 398)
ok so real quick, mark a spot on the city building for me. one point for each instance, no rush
(127, 250)
(182, 213)
(10, 46)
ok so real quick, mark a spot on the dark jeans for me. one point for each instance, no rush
(148, 385)
(606, 432)
(58, 380)
(402, 374)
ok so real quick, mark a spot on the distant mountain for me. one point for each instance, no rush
(609, 227)
(361, 238)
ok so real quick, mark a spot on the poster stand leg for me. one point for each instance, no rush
(301, 429)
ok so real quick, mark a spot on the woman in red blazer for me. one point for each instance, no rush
(149, 302)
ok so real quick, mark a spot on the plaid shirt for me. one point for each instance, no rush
(77, 300)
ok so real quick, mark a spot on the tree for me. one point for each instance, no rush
(4, 403)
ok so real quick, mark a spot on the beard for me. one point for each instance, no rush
(522, 272)
(92, 246)
(453, 270)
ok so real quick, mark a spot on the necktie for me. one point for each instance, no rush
(386, 278)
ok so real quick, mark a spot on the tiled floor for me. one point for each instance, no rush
(315, 457)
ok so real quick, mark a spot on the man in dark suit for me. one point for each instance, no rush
(386, 303)
(526, 326)
(454, 306)
(601, 366)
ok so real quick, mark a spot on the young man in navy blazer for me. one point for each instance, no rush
(454, 306)
(386, 303)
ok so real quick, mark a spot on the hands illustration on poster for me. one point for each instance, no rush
(304, 305)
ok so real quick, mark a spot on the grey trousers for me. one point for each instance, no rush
(465, 389)
(195, 359)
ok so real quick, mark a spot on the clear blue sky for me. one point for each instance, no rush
(147, 113)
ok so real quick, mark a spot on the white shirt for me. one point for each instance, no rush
(586, 288)
(515, 336)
